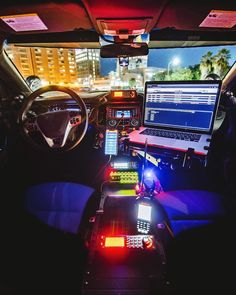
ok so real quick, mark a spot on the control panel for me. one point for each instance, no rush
(128, 241)
(122, 171)
(124, 177)
(123, 117)
(140, 241)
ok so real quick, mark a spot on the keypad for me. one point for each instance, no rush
(143, 226)
(129, 177)
(172, 134)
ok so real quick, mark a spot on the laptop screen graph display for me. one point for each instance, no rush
(182, 105)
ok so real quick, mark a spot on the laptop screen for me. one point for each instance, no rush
(183, 105)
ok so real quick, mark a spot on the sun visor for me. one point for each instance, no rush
(219, 19)
(24, 22)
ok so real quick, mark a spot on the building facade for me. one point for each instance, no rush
(53, 65)
(88, 65)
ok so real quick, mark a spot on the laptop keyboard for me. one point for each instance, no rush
(172, 134)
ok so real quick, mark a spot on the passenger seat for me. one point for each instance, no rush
(59, 204)
(188, 209)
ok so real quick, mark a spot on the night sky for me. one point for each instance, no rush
(160, 57)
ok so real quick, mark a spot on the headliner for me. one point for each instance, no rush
(77, 21)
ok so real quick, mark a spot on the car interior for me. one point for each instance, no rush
(117, 147)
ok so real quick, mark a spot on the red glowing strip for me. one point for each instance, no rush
(118, 94)
(114, 242)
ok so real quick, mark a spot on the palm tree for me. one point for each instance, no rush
(196, 73)
(206, 64)
(221, 62)
(132, 83)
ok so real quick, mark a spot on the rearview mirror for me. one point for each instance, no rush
(124, 50)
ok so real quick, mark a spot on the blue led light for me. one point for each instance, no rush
(149, 173)
(149, 178)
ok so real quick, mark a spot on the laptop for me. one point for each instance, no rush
(179, 115)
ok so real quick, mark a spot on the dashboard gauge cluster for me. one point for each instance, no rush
(69, 107)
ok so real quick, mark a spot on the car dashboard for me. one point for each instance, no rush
(117, 109)
(104, 108)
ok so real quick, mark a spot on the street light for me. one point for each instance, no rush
(174, 61)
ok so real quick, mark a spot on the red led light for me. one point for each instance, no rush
(114, 242)
(137, 188)
(108, 172)
(118, 93)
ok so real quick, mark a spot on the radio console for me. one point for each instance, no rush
(126, 116)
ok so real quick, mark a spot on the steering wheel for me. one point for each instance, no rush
(54, 126)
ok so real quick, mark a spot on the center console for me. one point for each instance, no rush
(127, 245)
(125, 116)
(123, 110)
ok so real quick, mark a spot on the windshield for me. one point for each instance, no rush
(85, 71)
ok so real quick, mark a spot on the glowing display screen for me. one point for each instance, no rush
(114, 242)
(118, 94)
(144, 212)
(125, 112)
(111, 142)
(121, 165)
